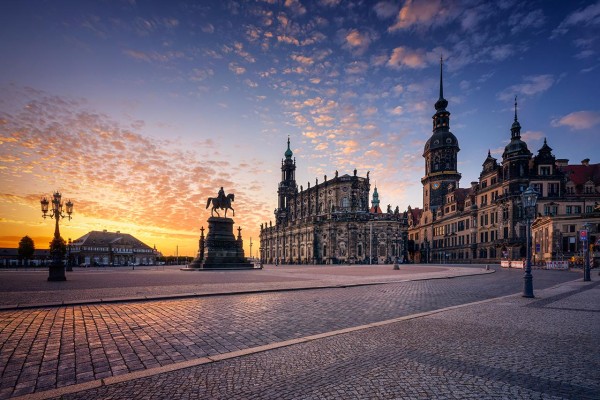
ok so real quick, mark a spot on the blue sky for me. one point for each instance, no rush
(140, 110)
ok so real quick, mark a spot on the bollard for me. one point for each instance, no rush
(487, 267)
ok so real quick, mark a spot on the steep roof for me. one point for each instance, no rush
(104, 238)
(375, 210)
(582, 173)
(461, 194)
(414, 215)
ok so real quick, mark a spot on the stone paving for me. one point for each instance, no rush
(84, 285)
(46, 348)
(508, 348)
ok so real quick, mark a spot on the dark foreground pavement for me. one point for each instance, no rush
(509, 348)
(318, 343)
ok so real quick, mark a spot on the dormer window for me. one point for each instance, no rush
(545, 170)
(589, 188)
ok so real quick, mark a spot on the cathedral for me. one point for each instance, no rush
(330, 222)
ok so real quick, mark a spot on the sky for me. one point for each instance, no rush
(138, 111)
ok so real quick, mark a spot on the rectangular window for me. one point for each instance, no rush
(569, 210)
(577, 209)
(544, 170)
(588, 209)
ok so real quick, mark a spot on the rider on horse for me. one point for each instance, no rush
(222, 202)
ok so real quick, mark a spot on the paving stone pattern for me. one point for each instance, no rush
(41, 349)
(470, 353)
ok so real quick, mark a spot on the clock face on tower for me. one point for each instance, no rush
(435, 185)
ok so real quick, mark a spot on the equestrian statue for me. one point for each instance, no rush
(221, 202)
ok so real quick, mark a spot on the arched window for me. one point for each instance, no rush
(345, 202)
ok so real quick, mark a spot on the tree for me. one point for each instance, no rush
(26, 249)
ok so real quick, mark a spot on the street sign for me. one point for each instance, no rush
(538, 247)
(583, 235)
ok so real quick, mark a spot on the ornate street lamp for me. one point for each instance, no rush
(528, 199)
(57, 246)
(405, 247)
(396, 252)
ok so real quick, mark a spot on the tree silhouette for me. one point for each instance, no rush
(26, 249)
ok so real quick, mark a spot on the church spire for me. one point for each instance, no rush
(515, 130)
(375, 202)
(442, 103)
(441, 78)
(288, 152)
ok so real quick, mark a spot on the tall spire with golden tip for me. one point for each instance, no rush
(442, 103)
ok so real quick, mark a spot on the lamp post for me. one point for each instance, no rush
(69, 261)
(528, 199)
(586, 253)
(396, 252)
(57, 246)
(405, 247)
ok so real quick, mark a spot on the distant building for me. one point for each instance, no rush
(111, 248)
(330, 222)
(9, 257)
(485, 222)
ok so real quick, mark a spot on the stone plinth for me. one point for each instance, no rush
(221, 250)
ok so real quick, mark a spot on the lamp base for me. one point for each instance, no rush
(57, 273)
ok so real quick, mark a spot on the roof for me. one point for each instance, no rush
(375, 210)
(14, 252)
(415, 215)
(581, 173)
(104, 238)
(461, 194)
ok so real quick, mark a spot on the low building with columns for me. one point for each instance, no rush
(111, 248)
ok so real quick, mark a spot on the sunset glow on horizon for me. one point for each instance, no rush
(139, 111)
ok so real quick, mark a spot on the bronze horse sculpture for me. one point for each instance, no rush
(221, 203)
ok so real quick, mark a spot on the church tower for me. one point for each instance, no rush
(515, 160)
(440, 153)
(287, 186)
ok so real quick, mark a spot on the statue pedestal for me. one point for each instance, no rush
(221, 249)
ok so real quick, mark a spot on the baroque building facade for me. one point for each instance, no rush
(330, 222)
(485, 222)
